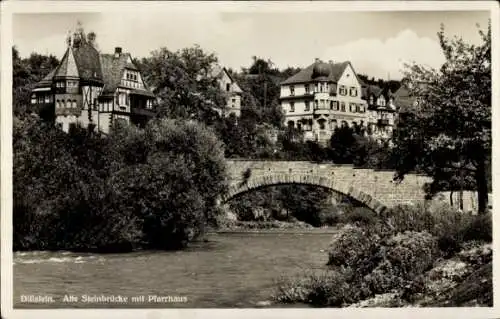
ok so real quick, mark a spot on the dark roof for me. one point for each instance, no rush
(403, 100)
(87, 60)
(47, 80)
(306, 75)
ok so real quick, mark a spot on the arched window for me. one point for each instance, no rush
(73, 104)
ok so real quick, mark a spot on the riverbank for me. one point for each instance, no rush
(417, 259)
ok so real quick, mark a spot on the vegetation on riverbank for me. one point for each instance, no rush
(150, 188)
(411, 257)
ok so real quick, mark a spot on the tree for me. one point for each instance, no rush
(185, 83)
(447, 134)
(25, 74)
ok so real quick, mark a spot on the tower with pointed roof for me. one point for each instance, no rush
(94, 89)
(321, 97)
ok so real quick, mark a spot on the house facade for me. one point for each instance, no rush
(381, 112)
(94, 89)
(232, 91)
(321, 97)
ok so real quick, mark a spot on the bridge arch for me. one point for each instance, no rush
(342, 187)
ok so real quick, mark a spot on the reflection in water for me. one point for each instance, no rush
(230, 270)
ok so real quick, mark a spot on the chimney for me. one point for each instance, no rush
(118, 52)
(316, 60)
(330, 61)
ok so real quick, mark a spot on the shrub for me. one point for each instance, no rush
(354, 248)
(444, 222)
(479, 228)
(360, 215)
(412, 253)
(405, 257)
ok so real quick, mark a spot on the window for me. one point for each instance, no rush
(315, 104)
(233, 102)
(353, 91)
(292, 90)
(331, 105)
(73, 104)
(307, 103)
(228, 87)
(316, 87)
(342, 90)
(33, 99)
(333, 124)
(342, 106)
(299, 126)
(122, 99)
(371, 99)
(292, 107)
(322, 104)
(306, 87)
(321, 87)
(321, 124)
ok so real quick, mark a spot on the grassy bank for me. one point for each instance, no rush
(411, 257)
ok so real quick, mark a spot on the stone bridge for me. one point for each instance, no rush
(373, 188)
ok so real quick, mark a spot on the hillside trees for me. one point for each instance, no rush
(184, 83)
(448, 133)
(26, 72)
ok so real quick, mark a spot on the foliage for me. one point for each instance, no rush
(134, 188)
(185, 83)
(448, 132)
(285, 203)
(26, 72)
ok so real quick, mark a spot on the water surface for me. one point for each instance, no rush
(230, 270)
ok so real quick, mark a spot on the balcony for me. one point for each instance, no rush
(305, 96)
(322, 111)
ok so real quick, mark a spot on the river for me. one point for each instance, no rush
(228, 270)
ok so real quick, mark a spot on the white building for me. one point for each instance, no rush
(321, 97)
(231, 90)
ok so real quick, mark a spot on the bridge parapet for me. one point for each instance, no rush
(366, 184)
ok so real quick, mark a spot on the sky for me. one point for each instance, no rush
(377, 43)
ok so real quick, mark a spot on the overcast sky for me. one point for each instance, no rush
(377, 43)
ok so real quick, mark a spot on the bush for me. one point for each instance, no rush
(360, 215)
(354, 248)
(479, 228)
(444, 222)
(405, 257)
(82, 191)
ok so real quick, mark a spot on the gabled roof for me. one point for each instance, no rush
(218, 71)
(306, 75)
(113, 68)
(403, 100)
